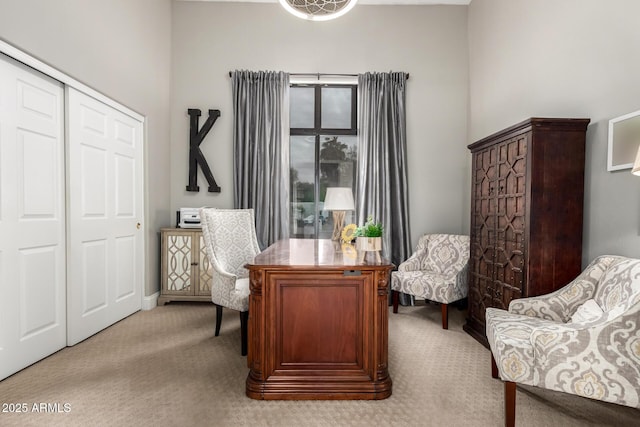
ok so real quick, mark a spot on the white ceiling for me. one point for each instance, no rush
(449, 2)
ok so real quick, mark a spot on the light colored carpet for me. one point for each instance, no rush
(164, 367)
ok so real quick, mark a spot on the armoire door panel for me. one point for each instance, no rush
(485, 265)
(475, 299)
(485, 229)
(485, 164)
(513, 149)
(511, 182)
(486, 292)
(483, 187)
(484, 214)
(32, 217)
(503, 294)
(512, 206)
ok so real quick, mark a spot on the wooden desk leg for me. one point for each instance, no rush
(509, 404)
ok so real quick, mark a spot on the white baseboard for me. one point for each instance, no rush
(150, 302)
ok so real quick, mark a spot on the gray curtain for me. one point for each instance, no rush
(261, 150)
(382, 161)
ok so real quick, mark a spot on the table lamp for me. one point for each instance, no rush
(339, 200)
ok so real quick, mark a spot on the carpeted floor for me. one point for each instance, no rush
(164, 367)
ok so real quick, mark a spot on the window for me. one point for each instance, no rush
(323, 153)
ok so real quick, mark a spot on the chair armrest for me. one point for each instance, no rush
(223, 275)
(223, 283)
(543, 307)
(561, 304)
(414, 262)
(557, 306)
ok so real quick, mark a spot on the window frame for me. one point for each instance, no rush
(317, 131)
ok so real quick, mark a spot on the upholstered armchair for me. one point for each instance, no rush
(436, 271)
(582, 339)
(231, 243)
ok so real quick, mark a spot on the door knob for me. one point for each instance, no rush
(138, 226)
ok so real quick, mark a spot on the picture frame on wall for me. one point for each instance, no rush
(624, 140)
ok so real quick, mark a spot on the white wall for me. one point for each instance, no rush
(429, 42)
(568, 58)
(122, 49)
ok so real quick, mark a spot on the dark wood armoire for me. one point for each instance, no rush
(526, 213)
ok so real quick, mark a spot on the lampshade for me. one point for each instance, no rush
(339, 199)
(318, 10)
(636, 165)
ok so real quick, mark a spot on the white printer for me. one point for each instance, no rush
(189, 218)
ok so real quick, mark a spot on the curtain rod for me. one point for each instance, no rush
(322, 74)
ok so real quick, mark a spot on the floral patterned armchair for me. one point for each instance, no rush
(231, 243)
(582, 339)
(436, 271)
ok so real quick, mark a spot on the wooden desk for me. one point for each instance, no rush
(318, 324)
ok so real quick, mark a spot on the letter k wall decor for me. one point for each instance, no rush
(195, 154)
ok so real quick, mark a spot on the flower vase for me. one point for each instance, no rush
(368, 244)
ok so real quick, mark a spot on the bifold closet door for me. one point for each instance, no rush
(105, 212)
(32, 217)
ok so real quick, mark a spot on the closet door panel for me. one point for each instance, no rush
(32, 217)
(94, 277)
(105, 216)
(92, 187)
(37, 265)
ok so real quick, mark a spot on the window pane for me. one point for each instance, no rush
(336, 108)
(302, 107)
(338, 161)
(302, 189)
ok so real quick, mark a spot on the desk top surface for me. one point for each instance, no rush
(315, 253)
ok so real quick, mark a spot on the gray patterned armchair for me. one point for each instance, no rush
(582, 339)
(436, 271)
(231, 243)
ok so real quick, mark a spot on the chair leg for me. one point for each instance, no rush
(218, 318)
(244, 320)
(445, 315)
(394, 298)
(494, 368)
(509, 404)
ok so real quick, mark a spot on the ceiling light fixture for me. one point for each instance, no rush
(318, 10)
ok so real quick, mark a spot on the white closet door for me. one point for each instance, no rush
(105, 211)
(32, 218)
